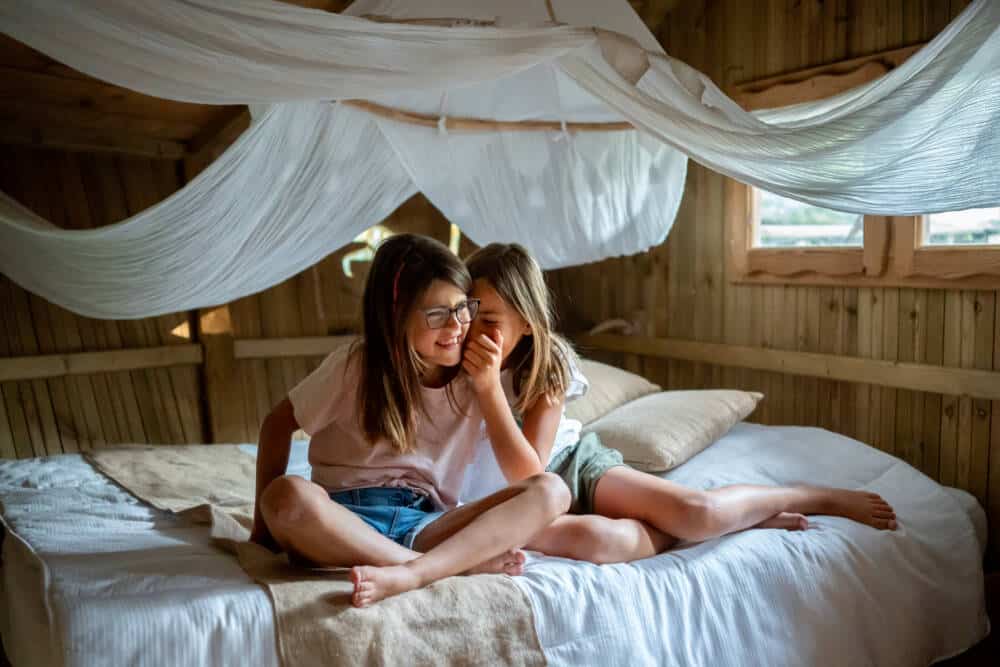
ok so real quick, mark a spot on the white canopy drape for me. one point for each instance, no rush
(922, 139)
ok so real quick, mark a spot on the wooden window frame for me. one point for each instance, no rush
(956, 264)
(892, 253)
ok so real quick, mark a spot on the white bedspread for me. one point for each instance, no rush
(104, 579)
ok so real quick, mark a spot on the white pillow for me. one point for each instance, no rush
(661, 431)
(609, 388)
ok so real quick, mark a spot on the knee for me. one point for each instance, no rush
(285, 500)
(552, 492)
(701, 516)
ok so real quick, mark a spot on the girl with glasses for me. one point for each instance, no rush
(393, 424)
(518, 365)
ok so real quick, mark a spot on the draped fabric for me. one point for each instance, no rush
(304, 180)
(924, 138)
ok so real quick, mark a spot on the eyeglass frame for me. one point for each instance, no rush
(452, 313)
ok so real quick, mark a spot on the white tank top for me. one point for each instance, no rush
(483, 476)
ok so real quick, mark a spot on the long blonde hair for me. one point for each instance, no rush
(389, 395)
(541, 361)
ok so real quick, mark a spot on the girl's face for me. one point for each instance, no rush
(495, 314)
(441, 346)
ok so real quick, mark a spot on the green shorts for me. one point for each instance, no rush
(581, 466)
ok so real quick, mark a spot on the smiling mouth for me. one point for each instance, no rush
(450, 343)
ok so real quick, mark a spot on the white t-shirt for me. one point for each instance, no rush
(484, 476)
(325, 405)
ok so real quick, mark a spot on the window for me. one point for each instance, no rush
(976, 226)
(777, 240)
(774, 240)
(960, 249)
(786, 223)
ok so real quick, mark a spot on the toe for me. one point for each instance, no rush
(884, 524)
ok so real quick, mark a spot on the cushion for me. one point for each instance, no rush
(661, 431)
(610, 388)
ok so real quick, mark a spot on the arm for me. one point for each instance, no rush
(272, 461)
(519, 454)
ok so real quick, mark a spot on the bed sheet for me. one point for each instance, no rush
(840, 593)
(84, 551)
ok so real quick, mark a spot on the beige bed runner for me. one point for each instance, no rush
(479, 620)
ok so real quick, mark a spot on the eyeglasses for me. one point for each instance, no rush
(440, 316)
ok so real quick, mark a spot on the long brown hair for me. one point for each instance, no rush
(389, 396)
(540, 362)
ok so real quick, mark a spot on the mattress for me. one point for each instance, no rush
(93, 576)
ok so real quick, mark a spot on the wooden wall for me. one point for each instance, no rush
(68, 414)
(46, 416)
(680, 289)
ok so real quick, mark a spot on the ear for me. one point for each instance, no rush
(525, 329)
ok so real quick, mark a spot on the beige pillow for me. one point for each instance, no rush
(610, 388)
(661, 431)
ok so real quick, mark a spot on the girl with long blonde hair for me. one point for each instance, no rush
(522, 371)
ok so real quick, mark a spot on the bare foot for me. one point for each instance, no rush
(785, 521)
(372, 584)
(509, 562)
(861, 506)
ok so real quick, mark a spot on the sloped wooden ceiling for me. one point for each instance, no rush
(44, 103)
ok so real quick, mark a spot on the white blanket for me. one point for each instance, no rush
(103, 579)
(840, 593)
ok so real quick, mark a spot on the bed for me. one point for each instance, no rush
(92, 576)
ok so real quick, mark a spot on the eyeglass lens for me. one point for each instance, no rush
(465, 311)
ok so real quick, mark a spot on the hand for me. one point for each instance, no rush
(482, 360)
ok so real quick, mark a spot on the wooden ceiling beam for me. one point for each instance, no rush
(91, 140)
(209, 144)
(95, 95)
(33, 114)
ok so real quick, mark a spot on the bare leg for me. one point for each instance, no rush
(306, 523)
(317, 531)
(696, 515)
(524, 510)
(598, 539)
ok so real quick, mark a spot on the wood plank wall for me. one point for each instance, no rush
(70, 414)
(680, 288)
(160, 405)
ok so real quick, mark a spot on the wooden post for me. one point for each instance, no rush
(223, 389)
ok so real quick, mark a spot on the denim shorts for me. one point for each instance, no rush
(398, 513)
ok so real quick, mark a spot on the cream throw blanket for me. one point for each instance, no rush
(478, 620)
